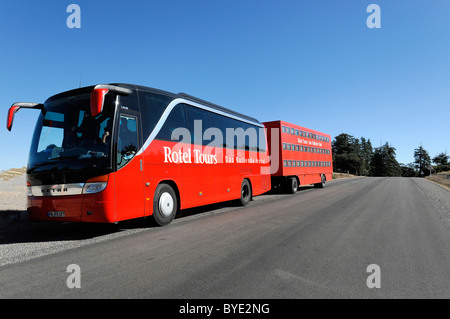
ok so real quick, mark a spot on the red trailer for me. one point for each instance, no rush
(304, 156)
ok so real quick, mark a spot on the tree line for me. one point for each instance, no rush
(358, 156)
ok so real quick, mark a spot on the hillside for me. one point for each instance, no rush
(12, 173)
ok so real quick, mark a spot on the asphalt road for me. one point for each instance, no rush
(315, 244)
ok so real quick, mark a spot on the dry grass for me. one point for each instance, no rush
(11, 173)
(343, 175)
(442, 178)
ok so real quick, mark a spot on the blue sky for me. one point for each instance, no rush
(314, 63)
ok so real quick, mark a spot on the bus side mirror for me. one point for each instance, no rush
(97, 101)
(98, 96)
(16, 107)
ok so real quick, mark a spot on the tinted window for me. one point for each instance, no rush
(127, 145)
(222, 123)
(152, 107)
(198, 122)
(241, 135)
(67, 131)
(176, 119)
(129, 102)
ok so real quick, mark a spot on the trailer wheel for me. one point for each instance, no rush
(293, 185)
(164, 205)
(322, 183)
(246, 192)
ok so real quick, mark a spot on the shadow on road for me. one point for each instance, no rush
(16, 228)
(25, 231)
(234, 203)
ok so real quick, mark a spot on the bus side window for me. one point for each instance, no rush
(152, 108)
(176, 119)
(198, 122)
(127, 145)
(217, 122)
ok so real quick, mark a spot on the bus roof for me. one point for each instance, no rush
(196, 100)
(185, 96)
(218, 107)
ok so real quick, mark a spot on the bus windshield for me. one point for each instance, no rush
(66, 132)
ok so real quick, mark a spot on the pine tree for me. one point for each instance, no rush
(346, 154)
(366, 155)
(422, 160)
(442, 162)
(351, 154)
(384, 163)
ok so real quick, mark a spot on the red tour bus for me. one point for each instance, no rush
(304, 156)
(113, 152)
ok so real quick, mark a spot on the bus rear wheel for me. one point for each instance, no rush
(246, 192)
(164, 205)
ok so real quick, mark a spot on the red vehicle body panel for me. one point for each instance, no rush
(98, 208)
(130, 190)
(203, 183)
(314, 148)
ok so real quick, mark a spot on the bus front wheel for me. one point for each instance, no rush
(164, 205)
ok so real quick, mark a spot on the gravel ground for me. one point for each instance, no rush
(438, 195)
(22, 240)
(13, 193)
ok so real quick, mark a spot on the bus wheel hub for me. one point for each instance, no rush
(166, 204)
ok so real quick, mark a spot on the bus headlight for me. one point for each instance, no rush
(92, 188)
(95, 185)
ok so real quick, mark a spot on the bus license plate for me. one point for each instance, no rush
(56, 214)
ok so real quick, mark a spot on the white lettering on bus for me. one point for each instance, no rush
(204, 158)
(239, 146)
(302, 141)
(179, 157)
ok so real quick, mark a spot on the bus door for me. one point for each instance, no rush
(129, 178)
